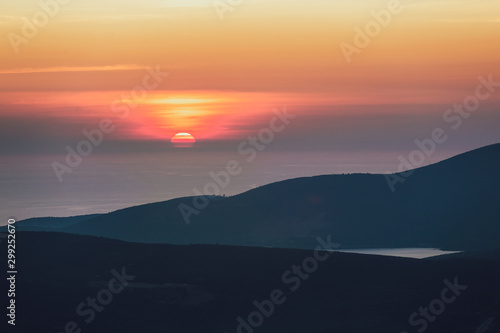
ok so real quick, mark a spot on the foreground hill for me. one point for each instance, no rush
(452, 204)
(205, 288)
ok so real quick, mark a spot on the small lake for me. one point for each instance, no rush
(416, 253)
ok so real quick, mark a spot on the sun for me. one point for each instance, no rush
(183, 140)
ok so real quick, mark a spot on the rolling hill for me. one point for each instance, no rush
(205, 288)
(453, 204)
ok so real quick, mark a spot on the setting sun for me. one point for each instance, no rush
(183, 140)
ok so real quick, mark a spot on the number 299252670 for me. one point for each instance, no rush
(11, 248)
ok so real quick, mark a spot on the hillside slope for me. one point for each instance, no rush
(204, 288)
(452, 204)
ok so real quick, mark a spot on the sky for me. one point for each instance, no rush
(224, 68)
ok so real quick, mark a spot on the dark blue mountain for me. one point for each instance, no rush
(453, 204)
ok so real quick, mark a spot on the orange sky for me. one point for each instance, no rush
(226, 75)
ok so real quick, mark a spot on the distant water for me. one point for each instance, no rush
(416, 253)
(103, 183)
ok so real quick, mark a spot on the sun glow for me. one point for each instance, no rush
(183, 140)
(183, 101)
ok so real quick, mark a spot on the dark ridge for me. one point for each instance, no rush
(450, 205)
(204, 288)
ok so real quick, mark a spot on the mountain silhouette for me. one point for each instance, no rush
(205, 288)
(453, 204)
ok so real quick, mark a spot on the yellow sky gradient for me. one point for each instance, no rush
(262, 53)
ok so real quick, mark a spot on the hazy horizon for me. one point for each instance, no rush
(129, 179)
